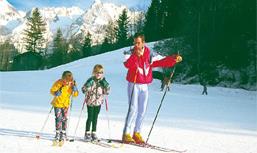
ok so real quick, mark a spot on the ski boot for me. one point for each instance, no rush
(56, 138)
(64, 135)
(87, 136)
(61, 140)
(138, 138)
(127, 139)
(94, 137)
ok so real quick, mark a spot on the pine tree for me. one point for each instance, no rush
(87, 46)
(59, 50)
(106, 45)
(122, 29)
(34, 34)
(110, 32)
(163, 19)
(74, 47)
(139, 25)
(109, 38)
(7, 53)
(73, 53)
(170, 18)
(153, 21)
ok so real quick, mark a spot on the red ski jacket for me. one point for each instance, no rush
(140, 68)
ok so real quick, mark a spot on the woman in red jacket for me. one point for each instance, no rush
(139, 75)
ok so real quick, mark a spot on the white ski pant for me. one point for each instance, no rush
(138, 99)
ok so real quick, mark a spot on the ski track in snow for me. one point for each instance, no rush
(225, 121)
(17, 135)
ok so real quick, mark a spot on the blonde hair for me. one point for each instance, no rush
(97, 68)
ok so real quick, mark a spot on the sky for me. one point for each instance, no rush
(26, 5)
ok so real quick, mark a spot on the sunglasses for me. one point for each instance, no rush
(69, 75)
(99, 72)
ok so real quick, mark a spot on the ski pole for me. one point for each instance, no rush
(108, 119)
(130, 101)
(74, 135)
(41, 130)
(38, 136)
(171, 75)
(70, 108)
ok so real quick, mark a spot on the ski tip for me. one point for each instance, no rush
(61, 143)
(98, 140)
(55, 143)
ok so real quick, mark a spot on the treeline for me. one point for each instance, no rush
(211, 35)
(216, 38)
(41, 54)
(218, 31)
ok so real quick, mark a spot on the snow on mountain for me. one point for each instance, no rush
(50, 13)
(8, 13)
(99, 14)
(71, 20)
(10, 19)
(59, 17)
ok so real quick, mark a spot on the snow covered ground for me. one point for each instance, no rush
(225, 121)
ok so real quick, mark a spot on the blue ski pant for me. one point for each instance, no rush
(137, 99)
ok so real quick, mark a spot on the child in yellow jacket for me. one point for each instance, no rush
(62, 90)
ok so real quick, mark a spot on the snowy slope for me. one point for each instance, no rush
(222, 122)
